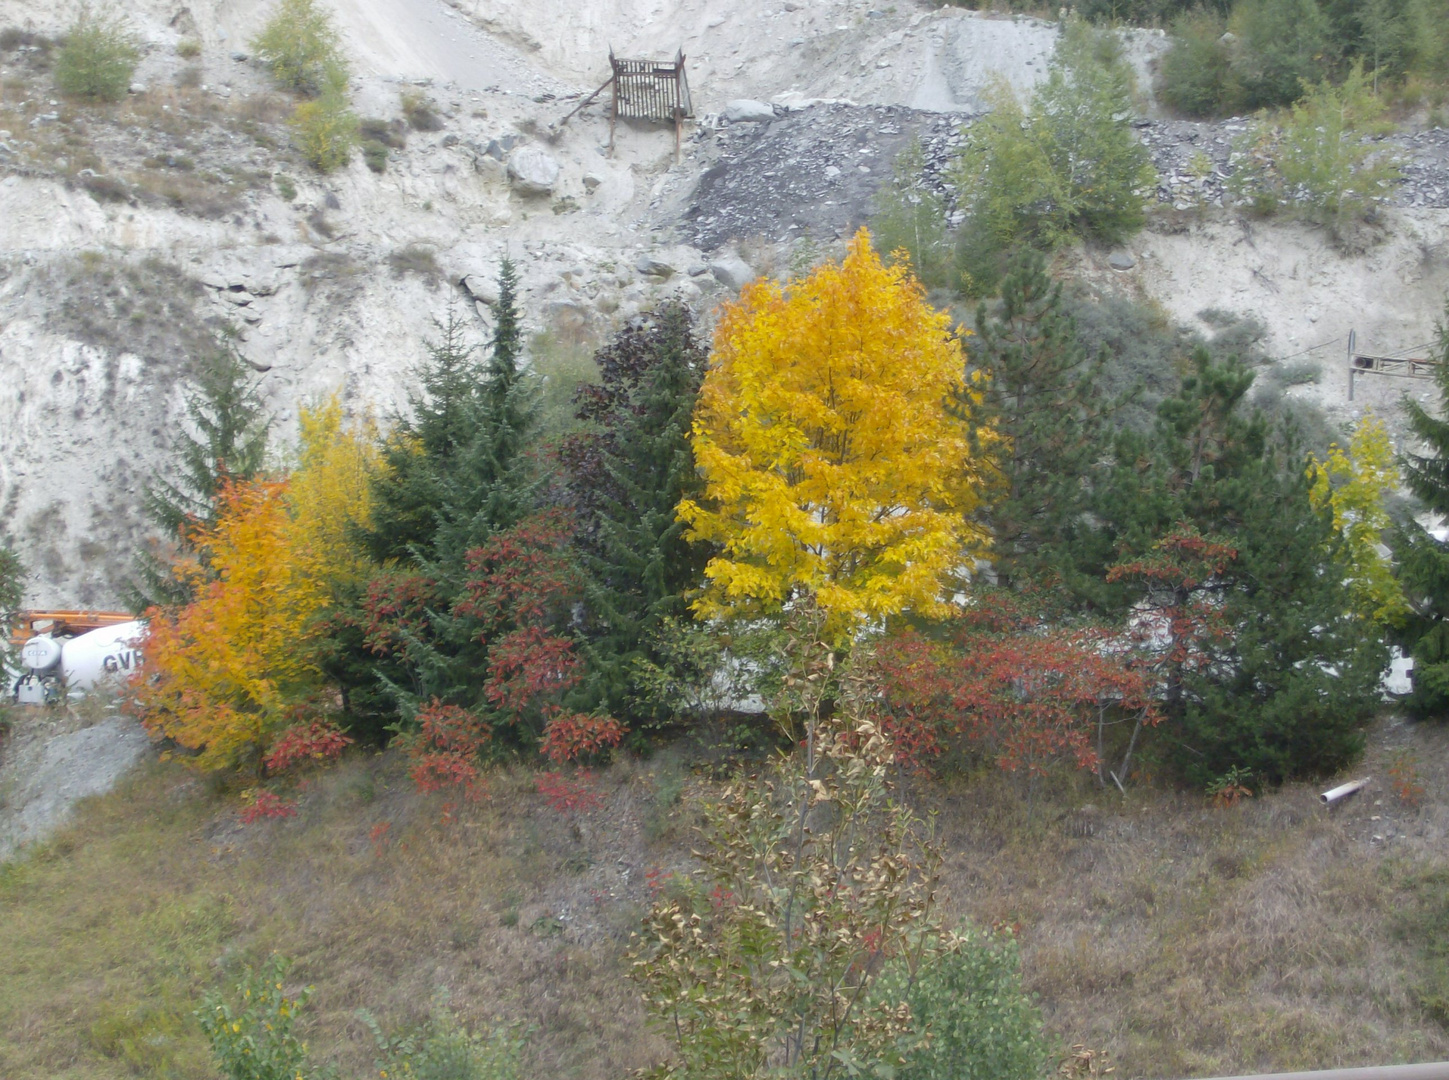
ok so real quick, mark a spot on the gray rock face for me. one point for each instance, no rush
(732, 272)
(44, 778)
(532, 171)
(745, 111)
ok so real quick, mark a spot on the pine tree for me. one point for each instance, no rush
(1424, 560)
(1042, 398)
(628, 477)
(227, 441)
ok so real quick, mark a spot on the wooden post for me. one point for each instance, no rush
(614, 105)
(1352, 337)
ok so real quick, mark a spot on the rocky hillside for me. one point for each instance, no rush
(131, 235)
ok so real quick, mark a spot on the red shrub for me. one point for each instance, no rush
(267, 804)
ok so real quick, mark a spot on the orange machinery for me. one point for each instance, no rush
(62, 623)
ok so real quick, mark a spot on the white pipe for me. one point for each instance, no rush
(1343, 791)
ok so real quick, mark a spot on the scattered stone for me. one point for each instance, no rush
(698, 270)
(745, 111)
(240, 57)
(532, 171)
(732, 272)
(592, 180)
(650, 266)
(1121, 260)
(138, 88)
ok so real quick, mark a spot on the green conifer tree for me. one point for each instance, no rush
(628, 477)
(1281, 680)
(1042, 397)
(1424, 560)
(226, 441)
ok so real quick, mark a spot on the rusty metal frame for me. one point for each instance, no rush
(656, 90)
(1398, 367)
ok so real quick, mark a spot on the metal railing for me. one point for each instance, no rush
(1429, 1070)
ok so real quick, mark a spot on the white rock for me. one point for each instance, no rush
(532, 171)
(732, 272)
(481, 288)
(743, 110)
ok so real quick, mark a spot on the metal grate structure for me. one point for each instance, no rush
(649, 90)
(1399, 367)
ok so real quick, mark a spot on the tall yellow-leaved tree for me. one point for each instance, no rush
(330, 494)
(830, 462)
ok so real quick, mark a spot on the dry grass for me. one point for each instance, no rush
(1183, 939)
(1192, 940)
(114, 930)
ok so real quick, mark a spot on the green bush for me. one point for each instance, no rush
(324, 131)
(98, 58)
(255, 1041)
(1280, 46)
(300, 46)
(1069, 166)
(12, 592)
(1317, 160)
(1195, 76)
(442, 1049)
(910, 218)
(375, 154)
(971, 1019)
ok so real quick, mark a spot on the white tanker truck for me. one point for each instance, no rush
(73, 652)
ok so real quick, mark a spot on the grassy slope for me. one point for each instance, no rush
(1182, 939)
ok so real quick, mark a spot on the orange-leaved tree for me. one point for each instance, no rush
(224, 670)
(831, 465)
(231, 670)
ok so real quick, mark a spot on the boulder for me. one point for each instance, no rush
(745, 111)
(732, 272)
(1121, 260)
(481, 288)
(650, 266)
(532, 171)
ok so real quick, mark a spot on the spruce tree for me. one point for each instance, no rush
(1042, 398)
(492, 483)
(1282, 680)
(424, 446)
(459, 473)
(628, 477)
(226, 441)
(1424, 560)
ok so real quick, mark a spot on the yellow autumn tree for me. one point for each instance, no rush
(1352, 484)
(830, 463)
(228, 671)
(330, 494)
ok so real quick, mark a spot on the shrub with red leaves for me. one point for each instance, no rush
(567, 795)
(317, 742)
(267, 804)
(576, 736)
(1027, 692)
(445, 748)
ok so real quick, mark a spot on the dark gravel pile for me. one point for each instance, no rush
(815, 172)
